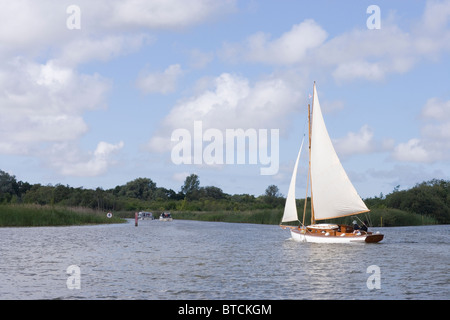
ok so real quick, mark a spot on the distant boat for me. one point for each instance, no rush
(332, 193)
(143, 215)
(165, 216)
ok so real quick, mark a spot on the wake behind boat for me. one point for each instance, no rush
(332, 193)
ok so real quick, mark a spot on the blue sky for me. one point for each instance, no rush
(95, 106)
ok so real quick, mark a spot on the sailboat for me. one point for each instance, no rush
(332, 193)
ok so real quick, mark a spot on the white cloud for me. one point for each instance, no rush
(44, 97)
(405, 175)
(108, 47)
(361, 142)
(359, 69)
(180, 176)
(366, 54)
(434, 143)
(44, 103)
(357, 54)
(199, 59)
(160, 82)
(33, 26)
(166, 13)
(332, 106)
(27, 27)
(70, 161)
(436, 16)
(233, 103)
(373, 54)
(412, 151)
(436, 109)
(355, 143)
(42, 107)
(436, 123)
(291, 47)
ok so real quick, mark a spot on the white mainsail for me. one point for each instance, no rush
(290, 208)
(332, 192)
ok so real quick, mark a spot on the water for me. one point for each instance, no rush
(208, 260)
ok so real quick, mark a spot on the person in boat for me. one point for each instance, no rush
(355, 226)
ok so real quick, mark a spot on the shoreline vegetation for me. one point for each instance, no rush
(23, 204)
(23, 215)
(26, 215)
(376, 218)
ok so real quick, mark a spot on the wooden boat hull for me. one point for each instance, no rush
(374, 238)
(302, 235)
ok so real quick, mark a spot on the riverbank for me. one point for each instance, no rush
(38, 216)
(386, 217)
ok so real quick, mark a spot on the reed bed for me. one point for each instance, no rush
(376, 218)
(36, 215)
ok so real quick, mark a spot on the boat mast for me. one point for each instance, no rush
(309, 179)
(309, 166)
(313, 220)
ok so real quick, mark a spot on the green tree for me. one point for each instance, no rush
(273, 196)
(8, 186)
(272, 191)
(430, 198)
(214, 193)
(140, 188)
(191, 187)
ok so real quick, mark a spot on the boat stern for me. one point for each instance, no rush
(374, 238)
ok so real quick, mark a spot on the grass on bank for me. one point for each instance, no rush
(377, 217)
(36, 215)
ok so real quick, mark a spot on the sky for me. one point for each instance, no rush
(99, 93)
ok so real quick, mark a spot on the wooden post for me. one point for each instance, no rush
(135, 219)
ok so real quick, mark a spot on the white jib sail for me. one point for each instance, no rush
(290, 208)
(333, 193)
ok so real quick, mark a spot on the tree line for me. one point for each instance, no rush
(429, 198)
(138, 194)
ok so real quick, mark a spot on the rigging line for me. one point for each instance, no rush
(304, 125)
(369, 221)
(361, 221)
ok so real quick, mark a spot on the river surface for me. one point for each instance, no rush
(209, 260)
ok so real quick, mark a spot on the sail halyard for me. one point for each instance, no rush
(308, 180)
(332, 193)
(310, 115)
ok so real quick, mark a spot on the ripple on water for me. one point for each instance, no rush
(205, 260)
